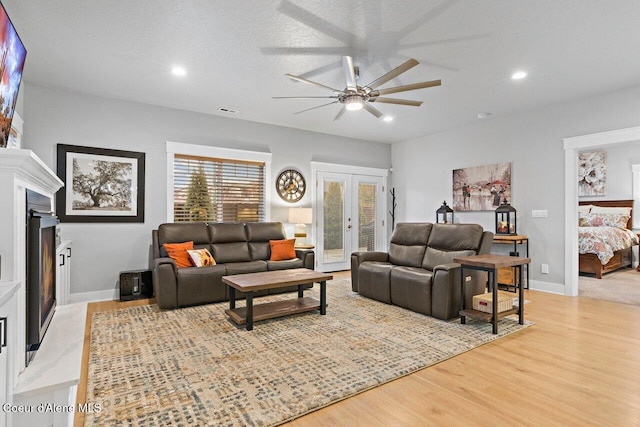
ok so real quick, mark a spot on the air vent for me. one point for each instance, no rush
(227, 110)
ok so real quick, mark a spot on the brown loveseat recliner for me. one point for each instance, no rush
(418, 272)
(238, 248)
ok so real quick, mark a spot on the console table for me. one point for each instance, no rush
(518, 239)
(490, 263)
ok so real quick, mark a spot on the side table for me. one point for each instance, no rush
(490, 263)
(304, 246)
(518, 239)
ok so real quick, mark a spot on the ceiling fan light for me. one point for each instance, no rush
(353, 103)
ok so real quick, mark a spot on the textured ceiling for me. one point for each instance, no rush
(237, 52)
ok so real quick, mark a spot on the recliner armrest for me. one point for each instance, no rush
(165, 282)
(358, 258)
(446, 267)
(445, 289)
(308, 258)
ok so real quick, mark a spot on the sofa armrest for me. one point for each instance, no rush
(445, 289)
(358, 258)
(165, 282)
(486, 243)
(446, 267)
(308, 258)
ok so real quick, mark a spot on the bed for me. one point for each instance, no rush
(605, 236)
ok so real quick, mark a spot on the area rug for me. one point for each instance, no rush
(193, 366)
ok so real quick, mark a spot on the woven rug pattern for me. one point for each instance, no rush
(193, 366)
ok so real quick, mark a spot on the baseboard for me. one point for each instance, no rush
(553, 288)
(106, 295)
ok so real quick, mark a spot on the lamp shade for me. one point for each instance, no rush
(300, 215)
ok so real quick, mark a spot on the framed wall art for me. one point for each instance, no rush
(481, 188)
(592, 173)
(101, 185)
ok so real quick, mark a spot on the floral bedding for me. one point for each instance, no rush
(604, 241)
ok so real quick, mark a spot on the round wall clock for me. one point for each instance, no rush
(290, 185)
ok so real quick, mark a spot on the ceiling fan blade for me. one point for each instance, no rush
(301, 79)
(340, 113)
(373, 110)
(305, 97)
(396, 101)
(319, 51)
(393, 73)
(316, 22)
(313, 108)
(349, 73)
(405, 88)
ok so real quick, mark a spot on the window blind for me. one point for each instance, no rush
(217, 190)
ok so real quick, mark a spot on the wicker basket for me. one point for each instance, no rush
(484, 302)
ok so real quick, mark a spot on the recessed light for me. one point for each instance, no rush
(483, 115)
(178, 71)
(387, 118)
(519, 75)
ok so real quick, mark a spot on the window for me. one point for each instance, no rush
(217, 189)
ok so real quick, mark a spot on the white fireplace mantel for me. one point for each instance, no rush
(25, 165)
(19, 170)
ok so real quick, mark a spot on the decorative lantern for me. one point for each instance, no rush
(506, 219)
(444, 214)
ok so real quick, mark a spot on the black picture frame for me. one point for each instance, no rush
(122, 195)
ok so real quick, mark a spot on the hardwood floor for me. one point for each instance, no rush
(578, 365)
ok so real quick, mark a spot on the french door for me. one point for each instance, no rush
(349, 218)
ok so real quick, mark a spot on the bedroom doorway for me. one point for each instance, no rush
(572, 146)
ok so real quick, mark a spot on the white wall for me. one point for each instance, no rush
(532, 142)
(101, 251)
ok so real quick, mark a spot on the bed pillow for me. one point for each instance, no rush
(607, 210)
(201, 257)
(282, 250)
(604, 220)
(178, 252)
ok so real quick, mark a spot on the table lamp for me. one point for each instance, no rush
(300, 217)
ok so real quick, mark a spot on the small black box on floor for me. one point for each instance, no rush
(136, 284)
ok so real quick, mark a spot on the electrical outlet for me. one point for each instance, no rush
(545, 268)
(539, 213)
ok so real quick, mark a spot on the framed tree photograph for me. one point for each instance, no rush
(100, 185)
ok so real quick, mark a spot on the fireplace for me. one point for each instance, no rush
(41, 269)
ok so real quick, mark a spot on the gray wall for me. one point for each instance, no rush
(532, 142)
(101, 251)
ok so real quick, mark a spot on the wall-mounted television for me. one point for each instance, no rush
(12, 55)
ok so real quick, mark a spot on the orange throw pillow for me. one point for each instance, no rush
(178, 252)
(282, 249)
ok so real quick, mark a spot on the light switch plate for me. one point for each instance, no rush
(539, 213)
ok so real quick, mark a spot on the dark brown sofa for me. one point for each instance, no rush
(418, 272)
(237, 248)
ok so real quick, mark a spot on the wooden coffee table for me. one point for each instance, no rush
(251, 282)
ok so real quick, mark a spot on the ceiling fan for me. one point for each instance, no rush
(354, 97)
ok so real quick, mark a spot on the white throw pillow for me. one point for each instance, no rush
(606, 210)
